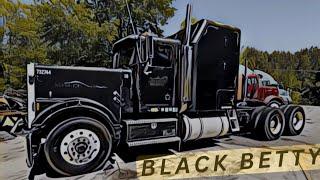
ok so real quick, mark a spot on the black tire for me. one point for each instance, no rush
(257, 112)
(275, 104)
(270, 124)
(295, 120)
(255, 115)
(284, 108)
(69, 159)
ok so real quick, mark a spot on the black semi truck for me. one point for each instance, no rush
(160, 91)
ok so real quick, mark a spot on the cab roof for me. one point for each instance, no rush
(199, 28)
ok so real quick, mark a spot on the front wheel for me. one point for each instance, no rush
(78, 145)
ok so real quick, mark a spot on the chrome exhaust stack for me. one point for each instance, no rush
(186, 63)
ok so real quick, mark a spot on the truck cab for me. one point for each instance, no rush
(263, 91)
(258, 90)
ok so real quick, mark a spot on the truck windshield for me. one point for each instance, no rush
(266, 83)
(283, 92)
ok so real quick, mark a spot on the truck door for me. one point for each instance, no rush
(157, 80)
(252, 86)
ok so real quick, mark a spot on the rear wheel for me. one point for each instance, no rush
(270, 124)
(78, 145)
(295, 120)
(250, 127)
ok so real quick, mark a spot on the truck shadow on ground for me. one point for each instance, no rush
(153, 151)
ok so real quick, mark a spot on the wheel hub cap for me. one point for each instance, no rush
(274, 105)
(298, 120)
(275, 124)
(80, 147)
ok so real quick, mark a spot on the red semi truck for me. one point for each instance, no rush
(257, 91)
(259, 88)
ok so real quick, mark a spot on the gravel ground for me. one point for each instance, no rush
(13, 154)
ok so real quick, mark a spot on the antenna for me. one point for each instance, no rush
(138, 46)
(130, 17)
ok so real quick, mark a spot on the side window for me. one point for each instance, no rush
(125, 57)
(163, 55)
(256, 82)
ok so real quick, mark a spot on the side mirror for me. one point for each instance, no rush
(149, 47)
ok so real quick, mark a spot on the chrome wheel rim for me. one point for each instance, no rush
(80, 147)
(275, 124)
(297, 120)
(274, 105)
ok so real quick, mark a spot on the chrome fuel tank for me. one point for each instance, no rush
(206, 127)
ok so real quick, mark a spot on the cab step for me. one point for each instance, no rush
(154, 141)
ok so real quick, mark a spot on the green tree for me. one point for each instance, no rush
(69, 32)
(298, 71)
(154, 12)
(193, 21)
(21, 42)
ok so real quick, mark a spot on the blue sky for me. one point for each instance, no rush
(269, 25)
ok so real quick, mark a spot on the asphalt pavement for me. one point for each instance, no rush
(13, 155)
